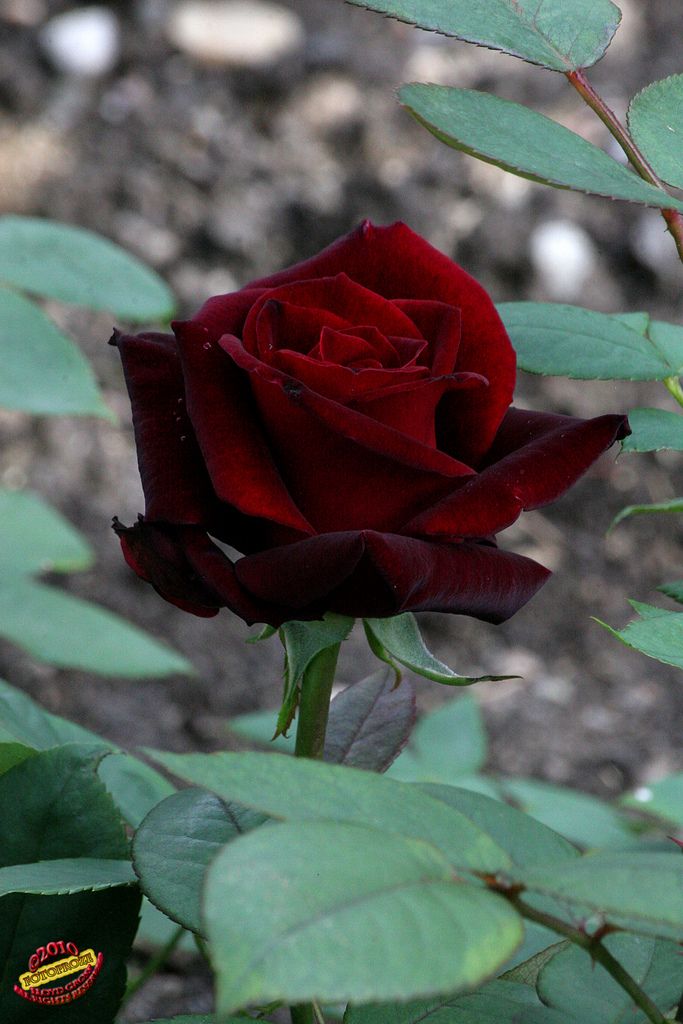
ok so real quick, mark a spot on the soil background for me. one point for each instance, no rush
(214, 175)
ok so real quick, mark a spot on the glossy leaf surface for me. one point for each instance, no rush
(526, 143)
(297, 789)
(59, 261)
(382, 912)
(43, 371)
(548, 32)
(654, 118)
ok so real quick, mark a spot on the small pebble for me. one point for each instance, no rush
(241, 33)
(84, 42)
(563, 256)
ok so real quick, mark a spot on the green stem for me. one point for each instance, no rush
(314, 703)
(314, 706)
(674, 220)
(153, 965)
(597, 952)
(673, 386)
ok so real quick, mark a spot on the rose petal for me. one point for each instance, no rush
(356, 344)
(156, 553)
(378, 575)
(229, 432)
(339, 295)
(341, 383)
(441, 325)
(225, 314)
(285, 327)
(174, 479)
(410, 408)
(539, 455)
(398, 264)
(344, 470)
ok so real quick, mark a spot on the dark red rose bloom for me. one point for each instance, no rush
(345, 425)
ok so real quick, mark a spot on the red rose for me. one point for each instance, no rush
(345, 425)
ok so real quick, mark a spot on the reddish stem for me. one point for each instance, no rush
(674, 220)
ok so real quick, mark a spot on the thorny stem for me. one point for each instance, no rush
(674, 220)
(598, 953)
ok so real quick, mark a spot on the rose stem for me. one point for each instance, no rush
(597, 952)
(314, 703)
(674, 220)
(314, 706)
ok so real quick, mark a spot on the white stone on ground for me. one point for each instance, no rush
(242, 33)
(84, 42)
(563, 256)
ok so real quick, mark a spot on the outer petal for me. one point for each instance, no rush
(187, 569)
(345, 470)
(398, 264)
(540, 456)
(156, 553)
(225, 314)
(230, 433)
(378, 575)
(176, 486)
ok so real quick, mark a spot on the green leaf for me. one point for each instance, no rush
(382, 913)
(548, 33)
(43, 371)
(653, 430)
(638, 892)
(37, 538)
(12, 753)
(526, 840)
(657, 636)
(573, 982)
(259, 728)
(499, 1002)
(134, 785)
(370, 721)
(304, 641)
(638, 321)
(400, 638)
(446, 743)
(62, 262)
(526, 143)
(62, 876)
(673, 590)
(663, 799)
(297, 789)
(176, 843)
(24, 721)
(528, 971)
(54, 811)
(675, 505)
(63, 630)
(568, 341)
(654, 119)
(583, 819)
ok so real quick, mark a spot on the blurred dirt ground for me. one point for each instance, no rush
(215, 173)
